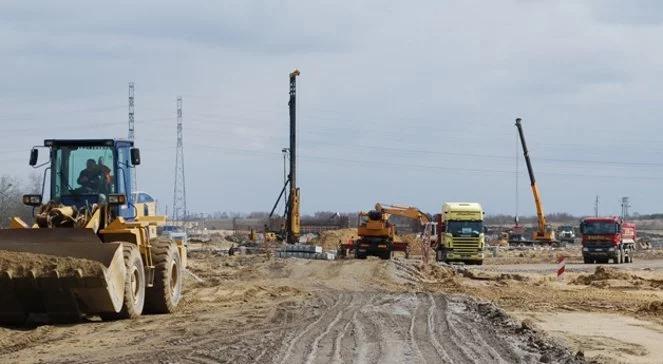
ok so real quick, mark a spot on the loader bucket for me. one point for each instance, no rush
(62, 272)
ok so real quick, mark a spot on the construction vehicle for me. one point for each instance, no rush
(460, 233)
(377, 236)
(291, 229)
(88, 251)
(566, 234)
(606, 238)
(544, 233)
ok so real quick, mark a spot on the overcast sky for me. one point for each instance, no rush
(399, 102)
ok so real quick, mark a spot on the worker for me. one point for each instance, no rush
(106, 178)
(89, 178)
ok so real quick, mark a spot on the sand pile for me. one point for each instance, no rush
(604, 276)
(653, 308)
(330, 239)
(22, 264)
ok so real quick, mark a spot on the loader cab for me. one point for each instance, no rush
(85, 172)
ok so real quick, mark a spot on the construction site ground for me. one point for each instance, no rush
(262, 309)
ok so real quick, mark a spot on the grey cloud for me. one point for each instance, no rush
(628, 12)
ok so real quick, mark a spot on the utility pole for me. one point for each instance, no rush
(626, 204)
(179, 193)
(596, 206)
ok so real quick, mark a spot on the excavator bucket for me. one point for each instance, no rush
(61, 272)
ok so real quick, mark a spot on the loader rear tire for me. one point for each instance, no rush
(134, 285)
(166, 293)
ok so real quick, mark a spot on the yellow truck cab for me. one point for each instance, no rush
(460, 233)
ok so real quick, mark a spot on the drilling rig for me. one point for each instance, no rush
(290, 231)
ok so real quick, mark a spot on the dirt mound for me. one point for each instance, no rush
(604, 276)
(25, 264)
(485, 276)
(652, 308)
(330, 239)
(414, 244)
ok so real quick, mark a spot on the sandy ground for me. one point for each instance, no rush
(605, 337)
(612, 313)
(258, 309)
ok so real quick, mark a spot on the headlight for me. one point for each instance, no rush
(32, 200)
(585, 249)
(116, 199)
(611, 249)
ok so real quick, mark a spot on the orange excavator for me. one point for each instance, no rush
(377, 236)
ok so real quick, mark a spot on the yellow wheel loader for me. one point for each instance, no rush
(88, 251)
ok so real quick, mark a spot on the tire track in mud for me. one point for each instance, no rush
(486, 348)
(411, 337)
(458, 347)
(301, 339)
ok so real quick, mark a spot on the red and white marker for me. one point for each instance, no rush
(561, 267)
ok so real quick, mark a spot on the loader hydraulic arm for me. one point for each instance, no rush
(541, 217)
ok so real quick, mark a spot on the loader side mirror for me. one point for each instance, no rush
(34, 156)
(32, 200)
(135, 156)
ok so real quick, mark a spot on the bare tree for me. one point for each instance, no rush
(11, 203)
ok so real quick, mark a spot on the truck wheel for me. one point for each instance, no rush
(586, 260)
(359, 255)
(166, 292)
(134, 285)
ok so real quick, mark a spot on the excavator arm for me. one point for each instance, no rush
(541, 217)
(405, 211)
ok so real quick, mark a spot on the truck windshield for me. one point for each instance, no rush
(465, 228)
(83, 170)
(598, 227)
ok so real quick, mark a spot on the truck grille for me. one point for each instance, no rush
(468, 245)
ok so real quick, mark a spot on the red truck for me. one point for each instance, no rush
(606, 238)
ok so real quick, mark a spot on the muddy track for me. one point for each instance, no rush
(299, 312)
(371, 327)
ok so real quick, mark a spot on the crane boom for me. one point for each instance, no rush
(541, 217)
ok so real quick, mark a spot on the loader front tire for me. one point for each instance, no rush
(134, 285)
(166, 293)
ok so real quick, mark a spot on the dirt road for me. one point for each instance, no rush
(545, 268)
(261, 310)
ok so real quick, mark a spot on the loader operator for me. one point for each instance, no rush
(90, 177)
(95, 177)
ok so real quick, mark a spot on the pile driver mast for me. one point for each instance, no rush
(292, 228)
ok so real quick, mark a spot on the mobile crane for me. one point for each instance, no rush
(544, 234)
